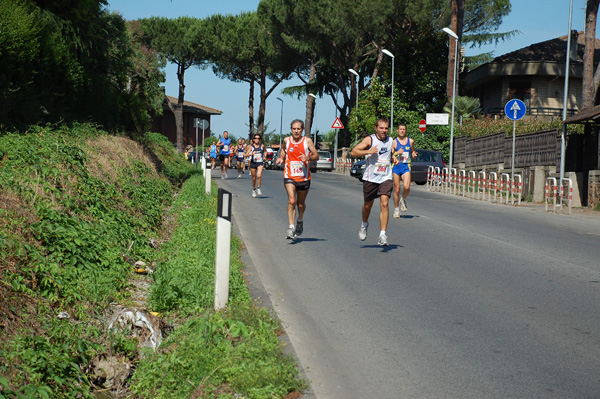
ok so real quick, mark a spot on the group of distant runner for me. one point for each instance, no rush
(387, 171)
(255, 152)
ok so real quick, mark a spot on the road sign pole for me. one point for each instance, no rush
(512, 164)
(196, 145)
(514, 109)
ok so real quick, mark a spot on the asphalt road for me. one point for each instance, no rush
(470, 300)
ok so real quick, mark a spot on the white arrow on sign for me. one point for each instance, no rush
(515, 108)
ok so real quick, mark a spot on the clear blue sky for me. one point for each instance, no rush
(538, 20)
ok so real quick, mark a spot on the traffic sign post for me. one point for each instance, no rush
(337, 124)
(514, 109)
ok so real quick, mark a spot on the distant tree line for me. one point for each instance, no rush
(74, 60)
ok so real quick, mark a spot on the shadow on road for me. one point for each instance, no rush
(299, 240)
(383, 249)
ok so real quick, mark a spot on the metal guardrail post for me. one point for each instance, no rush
(453, 181)
(481, 184)
(430, 176)
(504, 180)
(569, 183)
(471, 184)
(462, 180)
(547, 193)
(493, 185)
(517, 188)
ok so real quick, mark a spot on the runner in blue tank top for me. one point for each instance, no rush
(402, 150)
(213, 155)
(224, 155)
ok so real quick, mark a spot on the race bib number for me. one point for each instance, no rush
(240, 153)
(225, 148)
(403, 158)
(381, 167)
(257, 157)
(297, 168)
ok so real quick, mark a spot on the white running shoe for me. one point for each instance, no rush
(362, 233)
(258, 192)
(403, 205)
(226, 176)
(253, 193)
(382, 240)
(291, 234)
(396, 213)
(239, 176)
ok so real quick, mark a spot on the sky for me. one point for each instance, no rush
(537, 21)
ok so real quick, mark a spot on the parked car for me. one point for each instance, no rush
(357, 169)
(418, 166)
(424, 159)
(325, 161)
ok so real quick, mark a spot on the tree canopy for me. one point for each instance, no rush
(72, 61)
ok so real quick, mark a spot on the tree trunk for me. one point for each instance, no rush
(310, 102)
(456, 24)
(178, 111)
(251, 110)
(590, 88)
(263, 103)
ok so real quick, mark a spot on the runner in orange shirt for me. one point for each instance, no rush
(296, 153)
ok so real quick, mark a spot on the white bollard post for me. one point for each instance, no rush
(223, 249)
(207, 181)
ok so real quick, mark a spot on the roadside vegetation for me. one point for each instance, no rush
(85, 218)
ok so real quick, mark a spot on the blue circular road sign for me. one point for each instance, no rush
(515, 109)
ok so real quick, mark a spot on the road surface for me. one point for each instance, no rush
(470, 300)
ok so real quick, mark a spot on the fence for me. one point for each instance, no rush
(540, 148)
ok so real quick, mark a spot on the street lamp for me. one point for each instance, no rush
(353, 72)
(451, 33)
(565, 100)
(281, 122)
(314, 118)
(388, 53)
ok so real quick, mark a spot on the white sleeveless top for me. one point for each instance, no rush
(378, 166)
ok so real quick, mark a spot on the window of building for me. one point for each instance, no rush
(520, 90)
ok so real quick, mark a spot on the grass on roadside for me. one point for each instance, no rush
(231, 353)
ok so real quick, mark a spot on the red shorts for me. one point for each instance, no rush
(376, 190)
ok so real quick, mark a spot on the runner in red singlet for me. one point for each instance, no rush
(297, 152)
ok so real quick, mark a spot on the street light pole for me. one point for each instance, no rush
(565, 100)
(280, 123)
(388, 53)
(353, 72)
(314, 118)
(455, 36)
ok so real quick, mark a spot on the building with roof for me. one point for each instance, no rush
(535, 75)
(165, 124)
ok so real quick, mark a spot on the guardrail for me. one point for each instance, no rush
(516, 189)
(481, 188)
(493, 186)
(504, 187)
(497, 187)
(569, 188)
(547, 198)
(462, 181)
(431, 177)
(471, 184)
